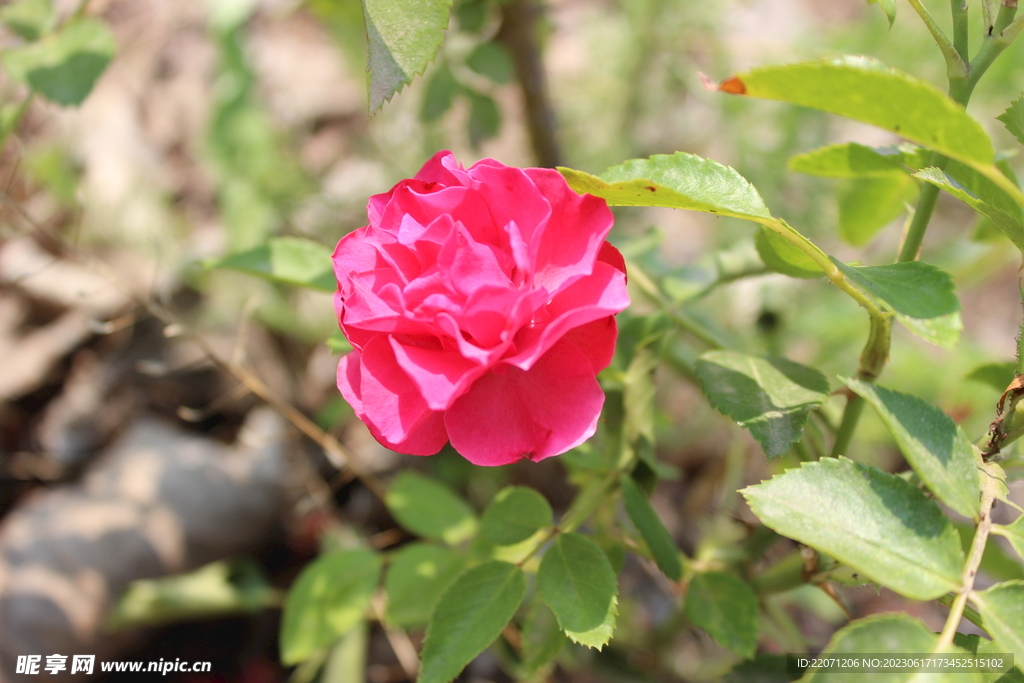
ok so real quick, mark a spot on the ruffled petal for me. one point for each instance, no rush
(535, 414)
(443, 168)
(441, 375)
(574, 235)
(512, 197)
(590, 298)
(348, 382)
(384, 398)
(353, 254)
(470, 264)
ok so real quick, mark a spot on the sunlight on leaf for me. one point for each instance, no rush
(875, 522)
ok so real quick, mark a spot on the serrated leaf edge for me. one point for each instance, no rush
(409, 78)
(826, 462)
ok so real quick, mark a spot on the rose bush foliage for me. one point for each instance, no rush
(479, 303)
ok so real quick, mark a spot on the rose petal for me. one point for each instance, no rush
(574, 235)
(535, 414)
(590, 298)
(612, 256)
(443, 168)
(492, 311)
(596, 340)
(384, 398)
(479, 301)
(470, 264)
(441, 375)
(348, 381)
(353, 255)
(512, 197)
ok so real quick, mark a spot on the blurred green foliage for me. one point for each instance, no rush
(624, 80)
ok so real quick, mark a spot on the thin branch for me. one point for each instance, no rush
(518, 34)
(955, 65)
(336, 453)
(401, 644)
(974, 556)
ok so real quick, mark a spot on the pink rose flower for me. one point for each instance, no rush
(480, 306)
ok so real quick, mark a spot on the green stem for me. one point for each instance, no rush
(922, 215)
(960, 28)
(851, 415)
(956, 66)
(587, 501)
(876, 351)
(822, 260)
(1020, 335)
(680, 318)
(872, 360)
(970, 614)
(1003, 33)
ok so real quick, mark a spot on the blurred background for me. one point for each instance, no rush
(129, 452)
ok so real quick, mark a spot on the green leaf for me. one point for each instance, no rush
(290, 260)
(769, 396)
(577, 582)
(402, 37)
(1002, 608)
(877, 523)
(866, 90)
(676, 181)
(783, 257)
(996, 375)
(726, 608)
(1013, 118)
(217, 589)
(915, 289)
(418, 574)
(329, 597)
(942, 331)
(484, 118)
(440, 93)
(983, 646)
(866, 205)
(469, 616)
(30, 19)
(848, 160)
(984, 198)
(934, 445)
(885, 634)
(1015, 535)
(542, 639)
(64, 66)
(515, 514)
(492, 60)
(430, 509)
(659, 540)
